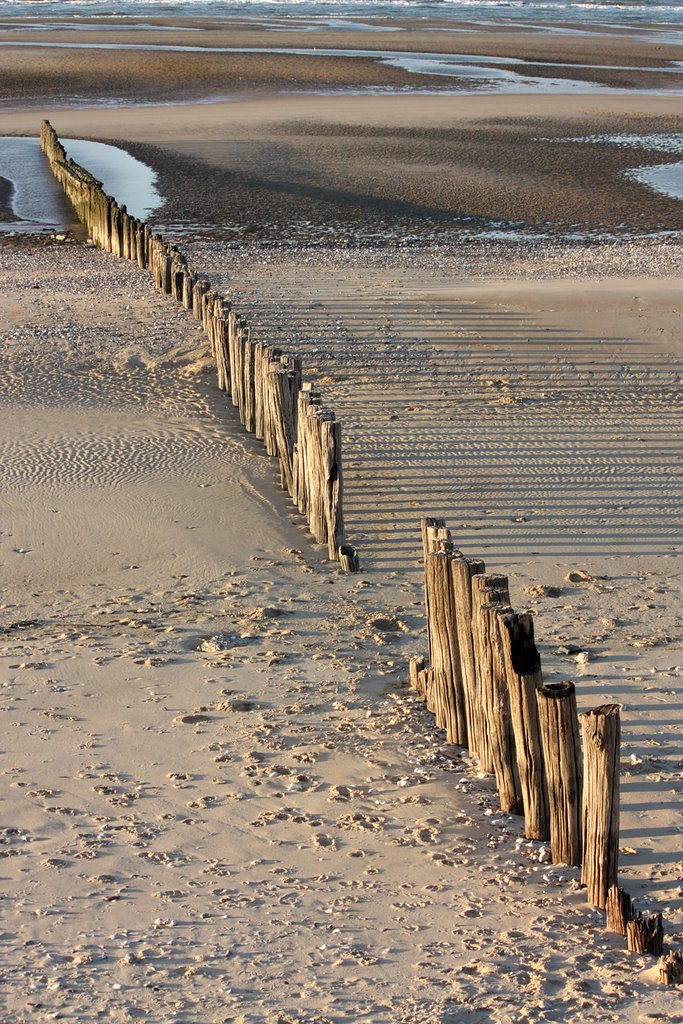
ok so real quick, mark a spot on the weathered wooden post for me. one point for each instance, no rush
(645, 934)
(601, 729)
(488, 602)
(448, 698)
(248, 382)
(429, 525)
(348, 558)
(671, 968)
(524, 676)
(463, 570)
(332, 473)
(559, 724)
(619, 909)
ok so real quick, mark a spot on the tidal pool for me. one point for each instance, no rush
(38, 202)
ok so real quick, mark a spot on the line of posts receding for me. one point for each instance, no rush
(483, 683)
(264, 383)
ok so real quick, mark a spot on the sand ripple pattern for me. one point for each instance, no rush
(527, 438)
(100, 455)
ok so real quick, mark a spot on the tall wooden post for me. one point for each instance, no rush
(524, 676)
(449, 697)
(559, 724)
(463, 570)
(601, 729)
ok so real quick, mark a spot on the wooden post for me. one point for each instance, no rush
(415, 666)
(248, 384)
(619, 910)
(671, 968)
(559, 724)
(447, 699)
(463, 570)
(348, 560)
(220, 334)
(430, 525)
(645, 934)
(332, 476)
(125, 233)
(495, 696)
(523, 673)
(486, 589)
(601, 729)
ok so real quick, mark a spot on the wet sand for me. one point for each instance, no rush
(281, 166)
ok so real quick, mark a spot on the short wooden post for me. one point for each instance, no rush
(645, 934)
(486, 589)
(601, 729)
(349, 562)
(671, 968)
(524, 676)
(559, 724)
(333, 482)
(125, 233)
(415, 666)
(619, 910)
(429, 525)
(248, 383)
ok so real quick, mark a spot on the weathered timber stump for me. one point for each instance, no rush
(462, 571)
(497, 710)
(619, 909)
(449, 697)
(671, 968)
(645, 934)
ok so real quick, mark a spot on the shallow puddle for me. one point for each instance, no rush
(37, 200)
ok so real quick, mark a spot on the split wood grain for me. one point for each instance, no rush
(671, 968)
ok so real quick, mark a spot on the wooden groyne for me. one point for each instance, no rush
(264, 383)
(484, 684)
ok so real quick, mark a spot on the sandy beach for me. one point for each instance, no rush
(222, 801)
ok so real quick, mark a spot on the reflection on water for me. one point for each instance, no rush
(39, 202)
(129, 181)
(37, 199)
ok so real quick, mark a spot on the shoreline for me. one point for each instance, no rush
(156, 65)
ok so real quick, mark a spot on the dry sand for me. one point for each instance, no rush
(273, 830)
(221, 802)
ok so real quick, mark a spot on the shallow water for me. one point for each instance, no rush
(667, 178)
(568, 12)
(39, 202)
(128, 180)
(489, 73)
